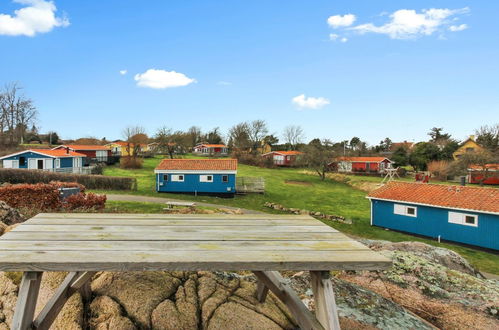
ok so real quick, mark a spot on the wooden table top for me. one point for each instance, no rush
(136, 242)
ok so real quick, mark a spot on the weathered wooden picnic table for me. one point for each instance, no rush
(85, 243)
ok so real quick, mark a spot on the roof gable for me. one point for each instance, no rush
(375, 159)
(459, 197)
(198, 164)
(82, 147)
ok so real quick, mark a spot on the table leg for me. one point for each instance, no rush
(325, 304)
(26, 301)
(274, 281)
(261, 291)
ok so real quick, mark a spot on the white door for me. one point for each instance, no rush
(7, 164)
(32, 164)
(77, 162)
(48, 164)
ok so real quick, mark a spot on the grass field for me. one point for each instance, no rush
(305, 192)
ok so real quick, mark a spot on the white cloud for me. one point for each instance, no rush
(456, 28)
(309, 102)
(409, 24)
(123, 72)
(160, 79)
(224, 83)
(340, 21)
(337, 37)
(37, 17)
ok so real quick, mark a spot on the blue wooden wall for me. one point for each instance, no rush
(65, 161)
(434, 221)
(191, 184)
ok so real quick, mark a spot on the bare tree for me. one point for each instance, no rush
(17, 113)
(239, 136)
(135, 136)
(293, 135)
(172, 142)
(257, 130)
(488, 137)
(194, 134)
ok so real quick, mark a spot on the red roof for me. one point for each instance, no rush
(363, 159)
(212, 145)
(198, 164)
(469, 198)
(488, 167)
(84, 147)
(287, 153)
(57, 153)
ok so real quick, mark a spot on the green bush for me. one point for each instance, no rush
(90, 181)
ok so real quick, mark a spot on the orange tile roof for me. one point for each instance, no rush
(290, 153)
(469, 198)
(57, 153)
(362, 159)
(198, 164)
(85, 147)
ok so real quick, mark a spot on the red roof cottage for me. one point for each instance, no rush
(362, 164)
(283, 158)
(206, 149)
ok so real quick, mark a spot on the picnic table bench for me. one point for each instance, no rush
(171, 204)
(85, 243)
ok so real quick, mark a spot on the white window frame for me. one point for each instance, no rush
(178, 178)
(401, 209)
(206, 178)
(459, 218)
(57, 163)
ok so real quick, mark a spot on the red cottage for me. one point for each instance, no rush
(283, 158)
(362, 164)
(476, 173)
(92, 152)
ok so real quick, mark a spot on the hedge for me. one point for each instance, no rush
(46, 197)
(90, 181)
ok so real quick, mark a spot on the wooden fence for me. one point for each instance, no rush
(246, 185)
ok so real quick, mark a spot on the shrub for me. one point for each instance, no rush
(15, 176)
(131, 162)
(85, 202)
(439, 169)
(45, 197)
(98, 169)
(254, 160)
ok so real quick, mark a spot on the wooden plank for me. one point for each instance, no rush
(173, 236)
(177, 222)
(72, 283)
(26, 301)
(261, 291)
(166, 216)
(190, 260)
(274, 281)
(171, 229)
(325, 304)
(337, 245)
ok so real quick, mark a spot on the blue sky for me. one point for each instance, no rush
(388, 72)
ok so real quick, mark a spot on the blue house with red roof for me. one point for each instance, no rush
(205, 176)
(468, 215)
(59, 160)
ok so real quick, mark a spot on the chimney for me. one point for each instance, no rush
(67, 150)
(472, 137)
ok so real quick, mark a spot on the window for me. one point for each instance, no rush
(225, 178)
(22, 161)
(165, 177)
(178, 178)
(463, 219)
(410, 211)
(206, 178)
(57, 163)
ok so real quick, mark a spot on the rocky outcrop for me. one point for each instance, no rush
(9, 215)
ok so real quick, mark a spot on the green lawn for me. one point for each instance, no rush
(307, 192)
(139, 207)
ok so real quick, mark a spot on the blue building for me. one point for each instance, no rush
(208, 176)
(467, 215)
(60, 160)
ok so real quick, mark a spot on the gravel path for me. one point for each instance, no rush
(136, 198)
